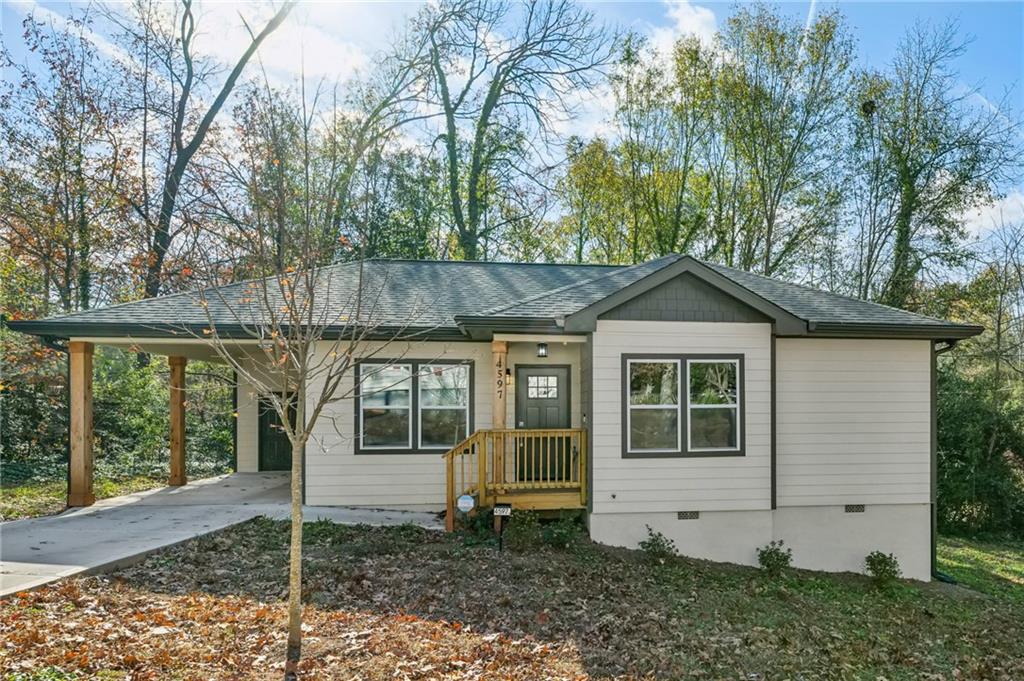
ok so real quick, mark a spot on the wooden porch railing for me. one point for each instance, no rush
(504, 462)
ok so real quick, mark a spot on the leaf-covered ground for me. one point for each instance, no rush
(33, 499)
(405, 603)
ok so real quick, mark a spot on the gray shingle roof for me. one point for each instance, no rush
(438, 295)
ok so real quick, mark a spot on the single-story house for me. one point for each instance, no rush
(721, 408)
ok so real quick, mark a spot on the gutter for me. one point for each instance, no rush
(937, 574)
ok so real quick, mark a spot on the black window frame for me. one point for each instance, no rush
(684, 420)
(417, 366)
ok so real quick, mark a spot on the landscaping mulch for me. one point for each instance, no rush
(406, 603)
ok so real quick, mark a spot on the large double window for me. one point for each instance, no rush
(686, 405)
(408, 406)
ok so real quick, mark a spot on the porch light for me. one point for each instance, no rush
(542, 349)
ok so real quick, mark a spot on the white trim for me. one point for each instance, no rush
(662, 407)
(552, 338)
(733, 405)
(362, 408)
(420, 407)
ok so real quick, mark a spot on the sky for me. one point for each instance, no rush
(334, 40)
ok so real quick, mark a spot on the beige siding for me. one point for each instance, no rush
(335, 475)
(668, 485)
(853, 422)
(247, 430)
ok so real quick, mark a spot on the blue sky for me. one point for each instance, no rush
(334, 40)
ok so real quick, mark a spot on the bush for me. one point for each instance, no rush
(523, 531)
(657, 547)
(563, 532)
(774, 558)
(883, 568)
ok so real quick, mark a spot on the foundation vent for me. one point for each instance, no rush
(688, 515)
(855, 508)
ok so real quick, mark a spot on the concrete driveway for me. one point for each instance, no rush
(122, 530)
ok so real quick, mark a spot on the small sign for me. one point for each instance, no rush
(503, 509)
(465, 503)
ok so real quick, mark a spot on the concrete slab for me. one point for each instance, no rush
(119, 531)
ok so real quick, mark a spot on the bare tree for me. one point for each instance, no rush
(494, 88)
(177, 105)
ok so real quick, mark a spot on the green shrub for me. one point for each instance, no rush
(657, 547)
(774, 558)
(563, 532)
(523, 531)
(883, 568)
(477, 526)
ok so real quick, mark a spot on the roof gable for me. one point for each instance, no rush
(685, 298)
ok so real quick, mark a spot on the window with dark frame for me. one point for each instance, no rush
(713, 404)
(412, 406)
(682, 405)
(653, 408)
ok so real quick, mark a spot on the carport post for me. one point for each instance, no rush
(80, 466)
(177, 436)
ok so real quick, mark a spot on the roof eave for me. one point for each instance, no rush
(895, 331)
(484, 327)
(142, 332)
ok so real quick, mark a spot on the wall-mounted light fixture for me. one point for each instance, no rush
(508, 376)
(542, 349)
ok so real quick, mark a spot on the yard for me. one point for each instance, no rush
(33, 499)
(409, 603)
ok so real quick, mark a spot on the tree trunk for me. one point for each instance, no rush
(904, 270)
(294, 650)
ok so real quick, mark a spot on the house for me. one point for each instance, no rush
(721, 408)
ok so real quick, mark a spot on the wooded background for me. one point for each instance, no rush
(124, 171)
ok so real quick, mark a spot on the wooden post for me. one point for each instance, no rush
(177, 437)
(449, 476)
(80, 479)
(499, 350)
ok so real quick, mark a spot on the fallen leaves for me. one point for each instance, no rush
(404, 603)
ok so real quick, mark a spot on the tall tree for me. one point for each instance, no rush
(177, 103)
(61, 160)
(781, 88)
(927, 150)
(498, 75)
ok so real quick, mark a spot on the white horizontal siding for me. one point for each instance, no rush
(336, 476)
(247, 427)
(854, 421)
(680, 484)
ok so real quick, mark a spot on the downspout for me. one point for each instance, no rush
(936, 351)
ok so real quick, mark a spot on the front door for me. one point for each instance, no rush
(275, 448)
(542, 403)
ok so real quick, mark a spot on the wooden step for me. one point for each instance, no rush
(541, 500)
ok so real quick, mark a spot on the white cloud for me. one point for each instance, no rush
(1008, 209)
(686, 19)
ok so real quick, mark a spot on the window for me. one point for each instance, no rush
(542, 387)
(682, 405)
(443, 405)
(413, 405)
(385, 405)
(713, 401)
(653, 407)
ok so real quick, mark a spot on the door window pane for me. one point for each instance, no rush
(543, 387)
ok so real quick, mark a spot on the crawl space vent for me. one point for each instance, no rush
(855, 508)
(688, 515)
